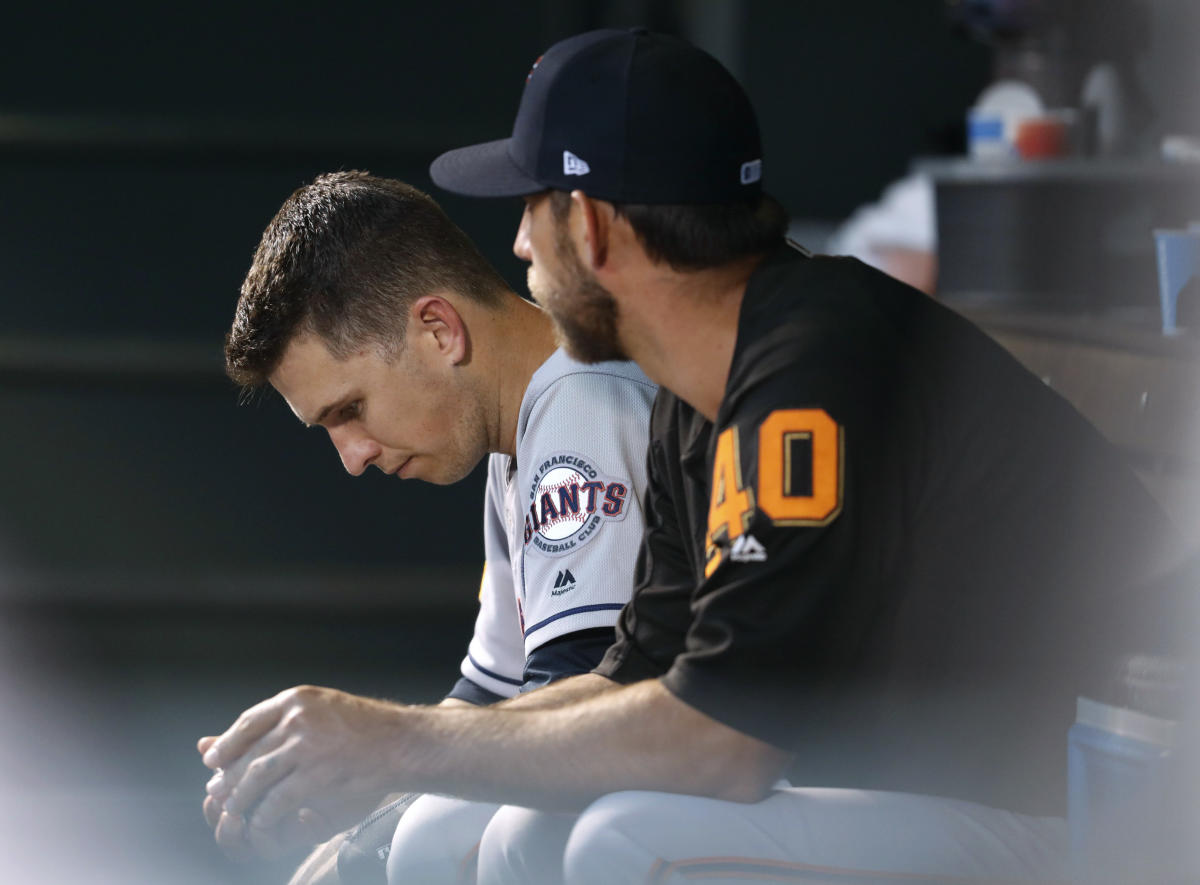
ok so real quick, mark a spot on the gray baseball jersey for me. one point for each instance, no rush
(563, 520)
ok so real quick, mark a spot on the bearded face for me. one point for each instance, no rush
(583, 311)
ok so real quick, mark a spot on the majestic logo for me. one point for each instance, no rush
(572, 165)
(568, 503)
(564, 583)
(746, 548)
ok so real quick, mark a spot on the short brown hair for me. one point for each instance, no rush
(343, 258)
(698, 236)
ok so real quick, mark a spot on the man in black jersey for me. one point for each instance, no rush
(881, 559)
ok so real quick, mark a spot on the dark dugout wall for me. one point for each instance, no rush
(142, 150)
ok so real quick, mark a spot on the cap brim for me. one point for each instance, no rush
(482, 170)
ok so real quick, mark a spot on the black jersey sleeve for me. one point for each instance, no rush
(796, 559)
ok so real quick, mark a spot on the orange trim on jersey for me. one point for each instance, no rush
(732, 504)
(761, 869)
(483, 580)
(775, 436)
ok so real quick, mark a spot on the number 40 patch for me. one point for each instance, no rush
(800, 453)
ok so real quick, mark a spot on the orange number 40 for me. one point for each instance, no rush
(800, 454)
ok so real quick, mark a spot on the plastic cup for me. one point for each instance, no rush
(1117, 772)
(1178, 253)
(1046, 135)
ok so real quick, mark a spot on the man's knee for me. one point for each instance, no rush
(435, 841)
(522, 846)
(607, 843)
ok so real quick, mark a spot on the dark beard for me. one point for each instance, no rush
(588, 331)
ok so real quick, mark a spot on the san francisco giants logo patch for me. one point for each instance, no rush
(569, 501)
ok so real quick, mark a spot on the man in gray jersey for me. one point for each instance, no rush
(377, 319)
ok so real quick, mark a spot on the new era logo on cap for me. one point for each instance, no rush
(572, 165)
(751, 172)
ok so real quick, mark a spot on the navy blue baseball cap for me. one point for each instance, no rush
(627, 116)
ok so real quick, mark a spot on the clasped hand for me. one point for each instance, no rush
(296, 769)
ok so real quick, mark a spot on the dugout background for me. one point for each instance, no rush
(168, 557)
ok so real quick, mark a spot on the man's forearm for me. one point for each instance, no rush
(622, 738)
(318, 748)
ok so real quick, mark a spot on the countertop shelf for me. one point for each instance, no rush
(1140, 388)
(963, 170)
(1134, 330)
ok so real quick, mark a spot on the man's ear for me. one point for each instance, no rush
(435, 323)
(594, 228)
